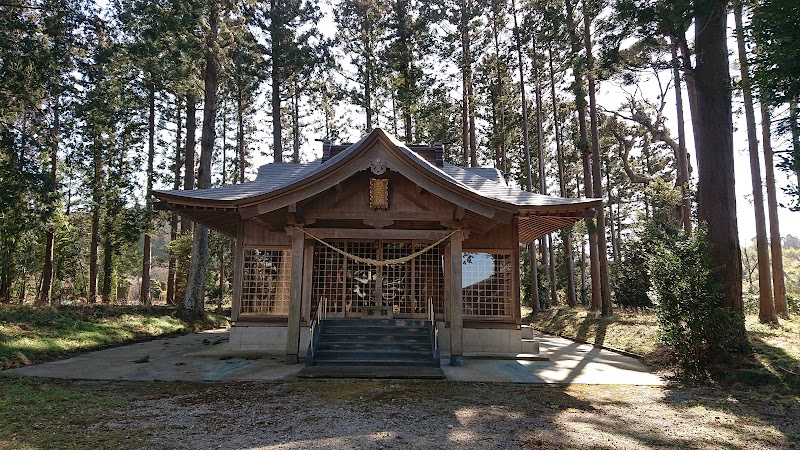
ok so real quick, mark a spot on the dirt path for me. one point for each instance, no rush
(430, 414)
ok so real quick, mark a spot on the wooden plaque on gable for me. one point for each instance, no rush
(379, 193)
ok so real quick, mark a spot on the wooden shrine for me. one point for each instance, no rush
(305, 234)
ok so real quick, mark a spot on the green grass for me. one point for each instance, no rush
(776, 347)
(31, 335)
(37, 414)
(632, 332)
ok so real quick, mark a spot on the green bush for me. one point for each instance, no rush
(690, 319)
(631, 278)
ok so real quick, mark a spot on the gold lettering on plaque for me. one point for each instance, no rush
(379, 193)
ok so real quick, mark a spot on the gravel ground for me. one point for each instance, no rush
(431, 414)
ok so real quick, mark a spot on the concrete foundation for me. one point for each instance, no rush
(477, 341)
(270, 340)
(485, 341)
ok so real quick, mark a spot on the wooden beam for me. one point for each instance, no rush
(350, 233)
(456, 302)
(432, 216)
(378, 223)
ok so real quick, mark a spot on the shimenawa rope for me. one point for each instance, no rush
(375, 262)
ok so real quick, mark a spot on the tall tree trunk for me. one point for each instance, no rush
(195, 289)
(224, 183)
(548, 242)
(691, 85)
(368, 92)
(536, 304)
(394, 111)
(188, 175)
(277, 144)
(409, 136)
(108, 266)
(500, 96)
(295, 124)
(527, 152)
(144, 292)
(766, 307)
(583, 251)
(583, 145)
(473, 142)
(566, 239)
(465, 72)
(793, 116)
(716, 195)
(597, 177)
(682, 177)
(778, 283)
(50, 238)
(173, 223)
(240, 135)
(611, 231)
(95, 242)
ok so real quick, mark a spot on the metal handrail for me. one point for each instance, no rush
(432, 318)
(321, 310)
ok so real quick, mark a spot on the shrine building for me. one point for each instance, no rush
(374, 236)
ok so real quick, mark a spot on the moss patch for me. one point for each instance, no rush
(36, 414)
(32, 335)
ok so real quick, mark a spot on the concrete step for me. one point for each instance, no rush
(377, 322)
(373, 330)
(374, 338)
(374, 362)
(376, 354)
(380, 372)
(383, 346)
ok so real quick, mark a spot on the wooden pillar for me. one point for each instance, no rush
(295, 297)
(456, 302)
(238, 272)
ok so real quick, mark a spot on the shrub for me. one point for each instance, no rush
(631, 279)
(690, 319)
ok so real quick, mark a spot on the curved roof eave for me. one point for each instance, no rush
(493, 200)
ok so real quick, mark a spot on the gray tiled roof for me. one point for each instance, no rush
(487, 182)
(270, 178)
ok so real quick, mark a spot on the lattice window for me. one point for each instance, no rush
(429, 279)
(361, 278)
(266, 281)
(486, 282)
(328, 280)
(349, 286)
(395, 284)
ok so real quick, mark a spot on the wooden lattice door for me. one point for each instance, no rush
(347, 286)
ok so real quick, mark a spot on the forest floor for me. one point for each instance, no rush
(760, 409)
(30, 335)
(776, 347)
(37, 413)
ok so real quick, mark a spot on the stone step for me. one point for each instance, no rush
(373, 354)
(374, 338)
(384, 346)
(374, 330)
(374, 362)
(377, 322)
(380, 372)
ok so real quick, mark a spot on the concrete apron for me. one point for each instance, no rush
(206, 357)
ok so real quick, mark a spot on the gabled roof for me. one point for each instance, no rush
(482, 191)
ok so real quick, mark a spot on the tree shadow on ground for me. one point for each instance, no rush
(437, 414)
(433, 414)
